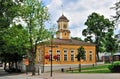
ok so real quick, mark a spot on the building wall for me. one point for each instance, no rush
(45, 51)
(65, 35)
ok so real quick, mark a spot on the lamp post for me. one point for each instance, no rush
(52, 31)
(51, 54)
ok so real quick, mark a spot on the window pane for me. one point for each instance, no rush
(90, 55)
(58, 58)
(65, 54)
(72, 55)
(50, 51)
(58, 54)
(85, 56)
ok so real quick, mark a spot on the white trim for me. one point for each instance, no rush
(49, 51)
(90, 54)
(60, 35)
(66, 53)
(72, 51)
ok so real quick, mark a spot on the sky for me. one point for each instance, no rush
(77, 12)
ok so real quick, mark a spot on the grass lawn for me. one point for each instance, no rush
(95, 69)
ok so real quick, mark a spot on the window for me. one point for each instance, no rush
(72, 55)
(58, 54)
(50, 51)
(90, 54)
(65, 26)
(60, 35)
(65, 55)
(59, 26)
(85, 56)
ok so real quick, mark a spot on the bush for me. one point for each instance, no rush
(13, 70)
(115, 67)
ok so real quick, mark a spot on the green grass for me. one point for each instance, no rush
(95, 69)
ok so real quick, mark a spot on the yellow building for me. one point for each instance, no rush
(65, 48)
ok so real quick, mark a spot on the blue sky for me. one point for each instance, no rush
(77, 12)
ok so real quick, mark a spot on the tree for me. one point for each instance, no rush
(9, 9)
(116, 17)
(35, 14)
(109, 43)
(80, 55)
(77, 38)
(97, 26)
(16, 38)
(116, 7)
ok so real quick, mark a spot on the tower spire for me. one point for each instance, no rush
(62, 8)
(63, 31)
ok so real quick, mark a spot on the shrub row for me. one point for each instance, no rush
(115, 67)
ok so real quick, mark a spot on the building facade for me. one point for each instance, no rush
(64, 48)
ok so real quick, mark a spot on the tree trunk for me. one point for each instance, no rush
(9, 65)
(16, 66)
(79, 66)
(97, 59)
(33, 69)
(33, 63)
(5, 66)
(111, 58)
(34, 56)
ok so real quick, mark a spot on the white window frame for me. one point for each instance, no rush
(60, 35)
(49, 52)
(66, 54)
(58, 53)
(72, 54)
(85, 57)
(90, 55)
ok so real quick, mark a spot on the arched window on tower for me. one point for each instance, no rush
(65, 26)
(58, 26)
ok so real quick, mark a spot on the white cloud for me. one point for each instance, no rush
(77, 12)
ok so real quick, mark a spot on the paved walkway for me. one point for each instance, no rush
(80, 76)
(57, 75)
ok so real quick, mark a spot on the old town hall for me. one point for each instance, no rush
(64, 48)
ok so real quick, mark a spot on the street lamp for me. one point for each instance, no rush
(52, 31)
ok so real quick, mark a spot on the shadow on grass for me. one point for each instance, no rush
(3, 73)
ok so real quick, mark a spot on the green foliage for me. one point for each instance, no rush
(115, 67)
(81, 53)
(98, 27)
(8, 10)
(16, 38)
(95, 69)
(116, 7)
(35, 14)
(77, 38)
